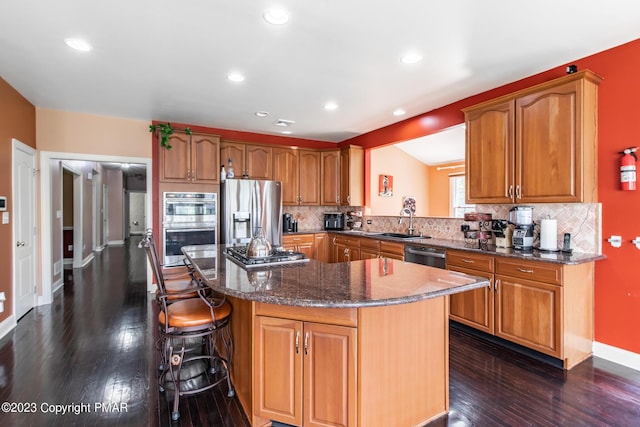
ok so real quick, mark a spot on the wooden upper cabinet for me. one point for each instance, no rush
(192, 159)
(538, 145)
(285, 169)
(489, 153)
(235, 152)
(309, 177)
(352, 176)
(330, 177)
(258, 161)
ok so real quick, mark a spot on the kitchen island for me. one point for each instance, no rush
(363, 343)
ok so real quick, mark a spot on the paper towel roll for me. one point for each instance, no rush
(549, 234)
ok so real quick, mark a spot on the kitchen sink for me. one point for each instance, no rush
(400, 235)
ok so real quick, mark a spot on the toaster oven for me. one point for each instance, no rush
(333, 221)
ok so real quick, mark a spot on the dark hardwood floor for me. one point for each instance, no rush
(95, 344)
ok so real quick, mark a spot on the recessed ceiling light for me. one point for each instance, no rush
(399, 112)
(276, 15)
(283, 123)
(330, 106)
(78, 44)
(235, 77)
(286, 132)
(262, 113)
(411, 58)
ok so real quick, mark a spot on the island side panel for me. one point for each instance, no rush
(403, 367)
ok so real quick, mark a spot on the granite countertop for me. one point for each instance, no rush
(533, 255)
(374, 282)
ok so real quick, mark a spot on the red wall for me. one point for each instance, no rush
(617, 307)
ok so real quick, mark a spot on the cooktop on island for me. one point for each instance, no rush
(238, 254)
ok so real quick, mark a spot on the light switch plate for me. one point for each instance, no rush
(5, 217)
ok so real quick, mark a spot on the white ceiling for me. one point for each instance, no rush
(442, 147)
(168, 60)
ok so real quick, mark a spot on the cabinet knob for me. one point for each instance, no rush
(511, 191)
(297, 342)
(306, 343)
(518, 192)
(525, 270)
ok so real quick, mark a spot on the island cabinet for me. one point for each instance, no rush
(347, 366)
(299, 172)
(305, 372)
(537, 145)
(321, 247)
(191, 159)
(248, 159)
(473, 308)
(330, 177)
(544, 306)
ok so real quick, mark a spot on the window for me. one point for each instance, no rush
(457, 197)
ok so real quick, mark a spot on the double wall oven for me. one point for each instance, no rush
(187, 219)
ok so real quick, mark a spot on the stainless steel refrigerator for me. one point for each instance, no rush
(249, 206)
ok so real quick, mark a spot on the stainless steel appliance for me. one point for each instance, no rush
(522, 218)
(238, 254)
(188, 219)
(333, 221)
(248, 206)
(432, 257)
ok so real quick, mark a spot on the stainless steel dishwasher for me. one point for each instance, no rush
(425, 255)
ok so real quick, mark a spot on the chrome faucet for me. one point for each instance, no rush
(410, 230)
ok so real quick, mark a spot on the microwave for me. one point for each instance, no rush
(333, 221)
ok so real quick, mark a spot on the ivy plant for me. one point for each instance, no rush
(165, 130)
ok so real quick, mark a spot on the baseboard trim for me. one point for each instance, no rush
(87, 260)
(67, 261)
(617, 355)
(7, 325)
(57, 285)
(99, 248)
(115, 243)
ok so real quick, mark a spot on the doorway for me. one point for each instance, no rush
(24, 228)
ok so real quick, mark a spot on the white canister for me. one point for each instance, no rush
(549, 234)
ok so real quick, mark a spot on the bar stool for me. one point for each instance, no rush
(189, 330)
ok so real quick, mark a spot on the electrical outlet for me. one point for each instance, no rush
(368, 222)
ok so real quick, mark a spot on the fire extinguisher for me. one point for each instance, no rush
(628, 168)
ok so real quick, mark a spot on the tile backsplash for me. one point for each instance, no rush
(582, 220)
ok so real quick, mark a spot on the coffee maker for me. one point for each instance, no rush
(522, 218)
(287, 223)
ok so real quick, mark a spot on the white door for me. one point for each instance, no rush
(24, 228)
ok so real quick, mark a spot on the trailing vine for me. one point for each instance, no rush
(165, 130)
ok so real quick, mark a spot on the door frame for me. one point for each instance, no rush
(46, 157)
(15, 146)
(78, 237)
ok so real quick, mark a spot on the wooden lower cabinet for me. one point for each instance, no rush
(305, 372)
(367, 366)
(304, 243)
(321, 247)
(345, 248)
(543, 306)
(528, 313)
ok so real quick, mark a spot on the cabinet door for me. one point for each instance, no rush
(288, 243)
(352, 176)
(258, 161)
(321, 247)
(309, 178)
(473, 308)
(205, 159)
(278, 369)
(528, 313)
(330, 189)
(489, 154)
(174, 162)
(285, 169)
(329, 375)
(235, 152)
(547, 146)
(368, 253)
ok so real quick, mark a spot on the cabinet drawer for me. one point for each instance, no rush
(392, 247)
(331, 316)
(348, 241)
(470, 260)
(297, 239)
(538, 271)
(370, 244)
